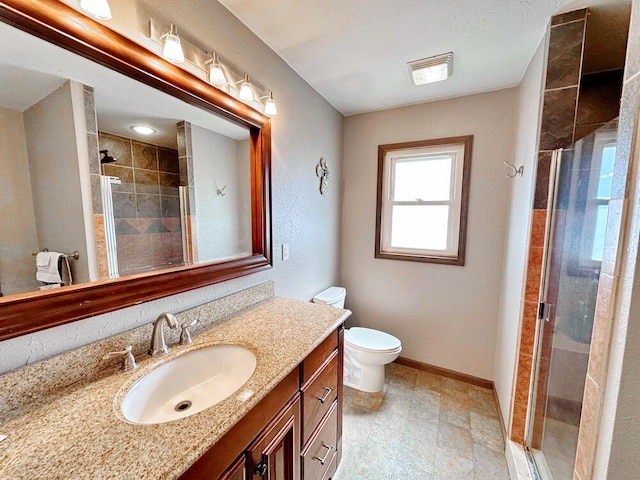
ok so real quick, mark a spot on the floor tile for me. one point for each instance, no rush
(489, 464)
(422, 426)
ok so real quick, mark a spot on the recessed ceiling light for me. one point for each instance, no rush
(432, 69)
(143, 129)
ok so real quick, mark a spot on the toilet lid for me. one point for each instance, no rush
(372, 340)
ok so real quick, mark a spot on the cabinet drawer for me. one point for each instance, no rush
(318, 356)
(318, 396)
(317, 457)
(333, 467)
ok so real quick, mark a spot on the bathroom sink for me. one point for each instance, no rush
(188, 384)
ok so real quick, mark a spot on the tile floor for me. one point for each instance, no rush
(422, 426)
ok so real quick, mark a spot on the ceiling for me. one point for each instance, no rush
(354, 52)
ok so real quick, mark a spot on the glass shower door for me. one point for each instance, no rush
(580, 193)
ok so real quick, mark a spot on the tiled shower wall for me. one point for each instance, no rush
(604, 320)
(146, 204)
(560, 99)
(573, 106)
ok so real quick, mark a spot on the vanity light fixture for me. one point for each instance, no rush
(172, 49)
(431, 69)
(217, 77)
(96, 8)
(143, 129)
(246, 90)
(270, 105)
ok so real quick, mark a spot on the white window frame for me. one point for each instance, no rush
(459, 150)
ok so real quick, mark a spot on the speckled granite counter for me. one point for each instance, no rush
(76, 433)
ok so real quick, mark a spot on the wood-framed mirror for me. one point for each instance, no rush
(66, 29)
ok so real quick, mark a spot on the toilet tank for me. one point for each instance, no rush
(333, 296)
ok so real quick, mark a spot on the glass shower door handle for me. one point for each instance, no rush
(543, 311)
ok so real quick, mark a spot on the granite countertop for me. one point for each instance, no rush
(77, 433)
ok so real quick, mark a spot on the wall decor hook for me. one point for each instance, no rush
(516, 171)
(220, 191)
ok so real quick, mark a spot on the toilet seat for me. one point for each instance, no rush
(369, 340)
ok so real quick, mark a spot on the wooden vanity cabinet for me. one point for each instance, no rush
(321, 392)
(274, 455)
(293, 433)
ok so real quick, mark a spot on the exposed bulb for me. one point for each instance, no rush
(97, 8)
(246, 92)
(217, 76)
(270, 105)
(172, 50)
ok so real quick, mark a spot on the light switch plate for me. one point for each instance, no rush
(285, 251)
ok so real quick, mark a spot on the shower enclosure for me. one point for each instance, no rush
(579, 195)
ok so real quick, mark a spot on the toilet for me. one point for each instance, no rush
(366, 351)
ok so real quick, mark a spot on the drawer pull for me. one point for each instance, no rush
(324, 459)
(328, 391)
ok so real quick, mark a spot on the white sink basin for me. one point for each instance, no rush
(188, 384)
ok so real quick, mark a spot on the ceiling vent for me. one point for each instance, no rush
(432, 69)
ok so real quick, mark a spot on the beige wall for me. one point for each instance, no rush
(306, 128)
(444, 315)
(50, 127)
(18, 237)
(518, 228)
(223, 221)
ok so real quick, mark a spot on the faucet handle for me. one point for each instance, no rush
(185, 335)
(128, 360)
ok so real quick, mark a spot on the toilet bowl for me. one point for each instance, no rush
(366, 351)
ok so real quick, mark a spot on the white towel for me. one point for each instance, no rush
(47, 267)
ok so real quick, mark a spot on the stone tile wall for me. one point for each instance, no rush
(146, 204)
(593, 100)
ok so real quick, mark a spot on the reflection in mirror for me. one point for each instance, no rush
(75, 176)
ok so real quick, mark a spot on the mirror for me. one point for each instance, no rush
(125, 217)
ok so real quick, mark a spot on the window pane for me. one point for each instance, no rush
(598, 235)
(606, 172)
(420, 227)
(425, 178)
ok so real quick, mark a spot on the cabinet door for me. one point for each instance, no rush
(275, 454)
(237, 471)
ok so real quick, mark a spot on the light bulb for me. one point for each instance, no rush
(270, 106)
(143, 129)
(172, 50)
(97, 8)
(246, 92)
(216, 73)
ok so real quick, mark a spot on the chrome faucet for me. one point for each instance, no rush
(158, 346)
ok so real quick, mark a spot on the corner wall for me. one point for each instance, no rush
(518, 227)
(444, 315)
(18, 236)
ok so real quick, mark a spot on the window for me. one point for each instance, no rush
(604, 154)
(423, 196)
(586, 202)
